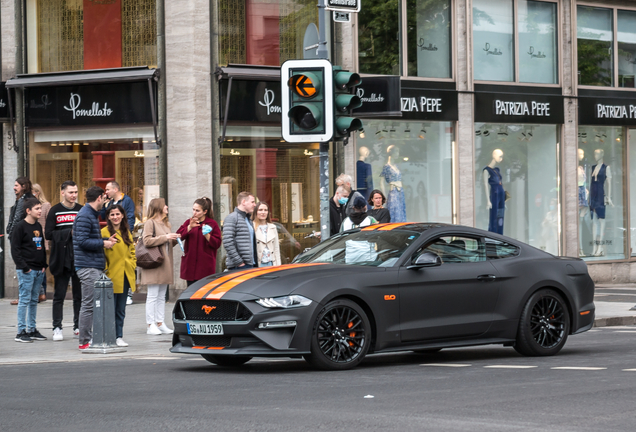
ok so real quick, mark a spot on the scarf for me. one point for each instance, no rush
(357, 218)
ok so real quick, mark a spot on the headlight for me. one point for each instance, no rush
(284, 302)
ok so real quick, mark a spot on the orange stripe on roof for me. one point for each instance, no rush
(392, 226)
(201, 292)
(224, 288)
(372, 227)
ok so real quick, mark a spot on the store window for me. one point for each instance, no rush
(632, 189)
(602, 223)
(128, 156)
(595, 46)
(517, 182)
(495, 34)
(65, 35)
(267, 32)
(411, 163)
(285, 176)
(379, 50)
(626, 48)
(429, 38)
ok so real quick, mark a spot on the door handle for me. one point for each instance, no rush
(487, 277)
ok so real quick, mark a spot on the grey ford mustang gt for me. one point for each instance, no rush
(385, 288)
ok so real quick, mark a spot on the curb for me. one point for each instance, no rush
(615, 321)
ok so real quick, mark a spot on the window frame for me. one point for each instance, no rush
(559, 51)
(479, 239)
(486, 239)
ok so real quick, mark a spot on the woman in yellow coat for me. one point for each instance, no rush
(120, 264)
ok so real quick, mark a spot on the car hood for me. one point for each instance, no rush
(272, 281)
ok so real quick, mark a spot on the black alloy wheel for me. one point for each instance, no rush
(341, 336)
(226, 361)
(544, 325)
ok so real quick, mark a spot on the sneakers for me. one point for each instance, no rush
(83, 347)
(153, 330)
(76, 333)
(120, 342)
(129, 300)
(23, 336)
(163, 328)
(36, 335)
(57, 334)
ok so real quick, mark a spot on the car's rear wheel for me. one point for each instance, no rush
(227, 361)
(340, 337)
(544, 325)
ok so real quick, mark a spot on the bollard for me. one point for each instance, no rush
(103, 319)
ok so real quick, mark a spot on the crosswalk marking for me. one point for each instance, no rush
(451, 365)
(625, 331)
(578, 368)
(509, 367)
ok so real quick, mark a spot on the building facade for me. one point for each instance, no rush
(510, 115)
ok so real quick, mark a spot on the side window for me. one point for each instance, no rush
(496, 249)
(456, 250)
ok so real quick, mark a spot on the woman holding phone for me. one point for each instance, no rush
(202, 237)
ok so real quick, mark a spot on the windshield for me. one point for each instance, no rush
(367, 248)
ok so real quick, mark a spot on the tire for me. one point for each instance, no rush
(226, 361)
(544, 325)
(340, 337)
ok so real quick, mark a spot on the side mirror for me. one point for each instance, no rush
(426, 259)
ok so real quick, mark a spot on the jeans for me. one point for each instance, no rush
(120, 309)
(245, 267)
(268, 264)
(43, 286)
(87, 276)
(156, 303)
(59, 293)
(29, 289)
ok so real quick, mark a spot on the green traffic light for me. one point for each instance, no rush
(344, 80)
(306, 117)
(347, 102)
(345, 125)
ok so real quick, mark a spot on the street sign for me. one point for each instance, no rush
(343, 17)
(343, 5)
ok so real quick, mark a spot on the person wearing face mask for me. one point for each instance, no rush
(336, 209)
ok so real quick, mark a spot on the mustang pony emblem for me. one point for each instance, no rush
(207, 309)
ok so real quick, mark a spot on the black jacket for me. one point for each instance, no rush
(59, 230)
(27, 246)
(17, 213)
(336, 216)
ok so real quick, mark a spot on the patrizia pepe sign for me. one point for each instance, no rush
(510, 104)
(618, 111)
(101, 104)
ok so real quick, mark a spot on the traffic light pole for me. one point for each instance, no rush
(325, 186)
(322, 51)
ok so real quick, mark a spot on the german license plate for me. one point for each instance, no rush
(205, 329)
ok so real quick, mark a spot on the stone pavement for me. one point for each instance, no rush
(608, 313)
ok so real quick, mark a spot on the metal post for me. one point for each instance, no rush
(103, 319)
(215, 114)
(322, 51)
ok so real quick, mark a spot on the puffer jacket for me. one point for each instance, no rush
(88, 244)
(236, 239)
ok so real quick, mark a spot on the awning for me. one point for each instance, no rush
(86, 77)
(249, 72)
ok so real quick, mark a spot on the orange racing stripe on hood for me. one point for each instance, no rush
(205, 289)
(245, 276)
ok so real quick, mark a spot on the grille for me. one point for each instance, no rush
(219, 310)
(212, 341)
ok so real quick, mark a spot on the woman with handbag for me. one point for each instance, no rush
(120, 264)
(202, 237)
(157, 235)
(267, 246)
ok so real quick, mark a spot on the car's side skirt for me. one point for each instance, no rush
(446, 344)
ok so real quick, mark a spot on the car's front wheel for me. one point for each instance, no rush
(544, 325)
(227, 361)
(340, 337)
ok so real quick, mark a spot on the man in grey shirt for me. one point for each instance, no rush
(239, 240)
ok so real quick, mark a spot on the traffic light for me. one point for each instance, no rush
(345, 100)
(307, 101)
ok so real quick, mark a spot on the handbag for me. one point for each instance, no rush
(148, 257)
(507, 195)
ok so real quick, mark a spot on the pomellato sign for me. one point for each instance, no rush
(100, 104)
(252, 100)
(4, 102)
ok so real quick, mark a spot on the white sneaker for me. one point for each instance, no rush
(129, 301)
(153, 330)
(120, 342)
(75, 333)
(163, 328)
(57, 334)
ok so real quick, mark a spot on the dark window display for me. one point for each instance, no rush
(517, 182)
(411, 163)
(429, 38)
(602, 233)
(379, 37)
(595, 46)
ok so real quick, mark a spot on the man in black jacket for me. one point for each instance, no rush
(22, 189)
(336, 210)
(59, 231)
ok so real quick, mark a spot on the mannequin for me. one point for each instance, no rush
(393, 177)
(495, 193)
(583, 198)
(364, 177)
(600, 197)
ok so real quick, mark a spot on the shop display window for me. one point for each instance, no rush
(266, 32)
(517, 182)
(626, 48)
(379, 42)
(600, 175)
(76, 35)
(493, 40)
(429, 38)
(537, 42)
(285, 176)
(632, 189)
(595, 46)
(94, 158)
(411, 163)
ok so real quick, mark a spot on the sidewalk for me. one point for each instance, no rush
(157, 347)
